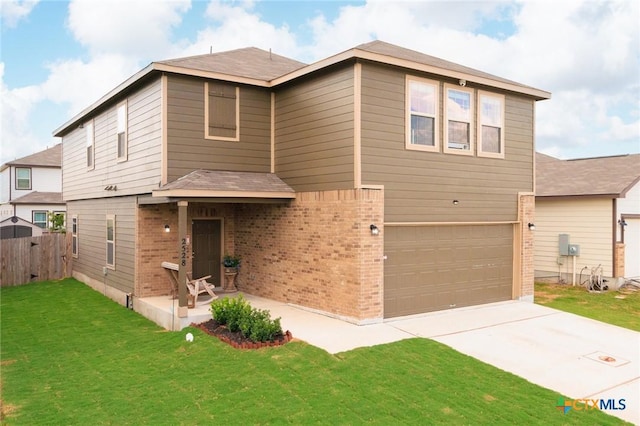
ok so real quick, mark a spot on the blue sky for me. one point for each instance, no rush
(58, 57)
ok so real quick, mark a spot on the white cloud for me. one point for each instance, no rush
(233, 26)
(12, 11)
(140, 29)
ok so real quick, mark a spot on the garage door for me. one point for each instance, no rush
(431, 268)
(632, 248)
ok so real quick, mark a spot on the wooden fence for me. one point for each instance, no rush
(29, 259)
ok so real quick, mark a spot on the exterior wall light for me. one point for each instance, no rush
(622, 223)
(532, 226)
(374, 230)
(167, 228)
(456, 202)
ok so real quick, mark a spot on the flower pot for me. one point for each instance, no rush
(230, 279)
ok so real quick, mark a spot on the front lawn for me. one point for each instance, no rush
(621, 308)
(71, 356)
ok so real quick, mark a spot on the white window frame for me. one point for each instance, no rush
(206, 116)
(448, 116)
(481, 121)
(110, 244)
(91, 145)
(74, 235)
(17, 186)
(409, 113)
(46, 218)
(122, 128)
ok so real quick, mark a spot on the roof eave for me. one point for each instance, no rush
(581, 196)
(205, 193)
(355, 53)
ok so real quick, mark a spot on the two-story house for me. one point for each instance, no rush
(375, 183)
(30, 188)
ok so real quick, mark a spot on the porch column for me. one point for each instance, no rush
(183, 252)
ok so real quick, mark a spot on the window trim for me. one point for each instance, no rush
(472, 116)
(236, 138)
(46, 218)
(482, 153)
(17, 179)
(74, 236)
(112, 218)
(125, 155)
(436, 121)
(90, 133)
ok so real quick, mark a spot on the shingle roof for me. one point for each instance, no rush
(249, 62)
(391, 50)
(601, 176)
(37, 197)
(51, 157)
(225, 183)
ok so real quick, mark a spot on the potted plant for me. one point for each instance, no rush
(231, 265)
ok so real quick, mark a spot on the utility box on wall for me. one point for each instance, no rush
(563, 244)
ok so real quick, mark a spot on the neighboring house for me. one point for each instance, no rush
(595, 204)
(31, 187)
(375, 183)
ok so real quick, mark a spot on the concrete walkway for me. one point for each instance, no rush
(572, 355)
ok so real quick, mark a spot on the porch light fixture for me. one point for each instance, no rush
(456, 202)
(167, 228)
(374, 229)
(532, 226)
(622, 223)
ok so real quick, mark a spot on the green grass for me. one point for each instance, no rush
(71, 356)
(621, 308)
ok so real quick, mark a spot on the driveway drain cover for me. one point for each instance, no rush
(607, 359)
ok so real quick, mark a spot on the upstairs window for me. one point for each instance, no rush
(458, 121)
(421, 113)
(122, 132)
(23, 178)
(90, 144)
(111, 241)
(222, 111)
(490, 125)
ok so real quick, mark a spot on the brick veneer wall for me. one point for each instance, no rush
(526, 214)
(156, 246)
(317, 251)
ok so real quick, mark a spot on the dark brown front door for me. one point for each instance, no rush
(207, 249)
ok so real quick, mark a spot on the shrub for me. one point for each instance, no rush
(238, 315)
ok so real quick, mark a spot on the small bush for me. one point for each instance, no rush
(238, 315)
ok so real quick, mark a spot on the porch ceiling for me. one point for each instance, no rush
(206, 184)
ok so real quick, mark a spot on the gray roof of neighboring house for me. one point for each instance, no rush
(601, 176)
(249, 62)
(259, 67)
(225, 182)
(37, 197)
(50, 157)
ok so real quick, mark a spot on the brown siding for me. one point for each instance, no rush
(188, 149)
(314, 132)
(140, 173)
(420, 186)
(92, 239)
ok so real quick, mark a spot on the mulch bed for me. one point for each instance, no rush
(236, 339)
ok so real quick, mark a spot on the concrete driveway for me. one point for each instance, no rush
(575, 356)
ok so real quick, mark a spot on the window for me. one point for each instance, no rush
(459, 115)
(122, 132)
(490, 125)
(111, 241)
(90, 143)
(422, 106)
(23, 178)
(40, 219)
(222, 111)
(74, 235)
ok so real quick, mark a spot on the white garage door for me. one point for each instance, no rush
(632, 248)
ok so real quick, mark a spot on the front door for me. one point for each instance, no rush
(207, 249)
